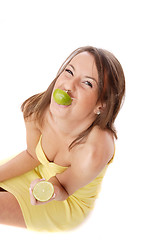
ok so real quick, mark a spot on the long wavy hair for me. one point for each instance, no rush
(111, 91)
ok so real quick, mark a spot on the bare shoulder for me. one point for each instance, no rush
(97, 151)
(33, 132)
(101, 138)
(88, 160)
(101, 143)
(32, 126)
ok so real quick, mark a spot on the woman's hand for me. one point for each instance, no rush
(32, 198)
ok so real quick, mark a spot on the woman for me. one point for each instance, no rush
(69, 146)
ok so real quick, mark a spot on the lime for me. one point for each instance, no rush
(61, 97)
(43, 191)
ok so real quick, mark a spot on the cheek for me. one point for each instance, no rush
(58, 81)
(89, 102)
(55, 86)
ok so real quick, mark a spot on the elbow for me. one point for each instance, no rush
(33, 156)
(28, 153)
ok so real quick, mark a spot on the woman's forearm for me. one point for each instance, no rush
(60, 193)
(17, 166)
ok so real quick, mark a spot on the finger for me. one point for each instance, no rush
(32, 198)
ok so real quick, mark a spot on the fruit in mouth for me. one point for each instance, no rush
(43, 191)
(61, 97)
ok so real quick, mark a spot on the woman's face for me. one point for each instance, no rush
(80, 78)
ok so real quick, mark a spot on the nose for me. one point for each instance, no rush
(70, 85)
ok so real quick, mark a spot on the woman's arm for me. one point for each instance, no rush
(59, 191)
(84, 169)
(26, 160)
(18, 165)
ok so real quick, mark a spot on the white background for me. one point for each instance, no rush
(35, 38)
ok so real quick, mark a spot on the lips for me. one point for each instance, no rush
(63, 106)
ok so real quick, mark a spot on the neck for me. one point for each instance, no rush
(69, 129)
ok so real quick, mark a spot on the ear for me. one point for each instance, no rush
(99, 108)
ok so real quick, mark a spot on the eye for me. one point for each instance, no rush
(88, 83)
(69, 71)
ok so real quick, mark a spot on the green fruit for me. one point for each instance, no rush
(61, 97)
(43, 191)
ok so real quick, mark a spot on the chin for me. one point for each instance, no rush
(58, 110)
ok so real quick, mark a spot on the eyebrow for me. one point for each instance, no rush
(71, 66)
(91, 78)
(84, 76)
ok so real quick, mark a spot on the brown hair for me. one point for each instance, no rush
(111, 92)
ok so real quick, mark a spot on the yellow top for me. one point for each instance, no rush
(55, 215)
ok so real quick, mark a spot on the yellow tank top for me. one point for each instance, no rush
(56, 215)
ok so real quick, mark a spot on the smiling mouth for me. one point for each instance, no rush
(63, 106)
(62, 97)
